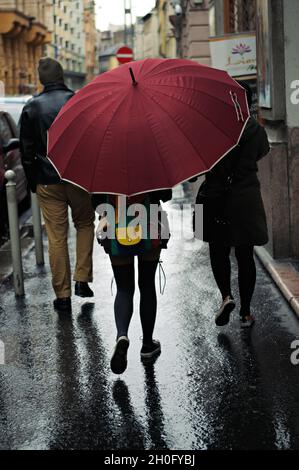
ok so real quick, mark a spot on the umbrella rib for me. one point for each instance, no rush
(69, 161)
(205, 117)
(78, 100)
(158, 150)
(176, 124)
(87, 107)
(194, 89)
(218, 79)
(104, 135)
(172, 69)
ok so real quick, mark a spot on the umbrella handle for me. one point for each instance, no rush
(238, 108)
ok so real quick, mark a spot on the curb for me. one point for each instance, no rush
(285, 276)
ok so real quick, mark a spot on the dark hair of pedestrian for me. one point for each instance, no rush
(248, 91)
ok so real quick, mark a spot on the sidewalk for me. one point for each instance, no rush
(285, 274)
(27, 243)
(211, 388)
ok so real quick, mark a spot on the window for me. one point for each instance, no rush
(78, 35)
(72, 30)
(67, 44)
(60, 22)
(240, 16)
(60, 41)
(66, 26)
(64, 9)
(55, 19)
(73, 47)
(55, 38)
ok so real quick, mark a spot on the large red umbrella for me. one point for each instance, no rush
(147, 125)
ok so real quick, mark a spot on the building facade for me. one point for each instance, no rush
(233, 40)
(24, 34)
(91, 40)
(167, 42)
(66, 23)
(155, 32)
(111, 40)
(278, 99)
(192, 29)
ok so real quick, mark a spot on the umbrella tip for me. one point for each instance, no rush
(134, 83)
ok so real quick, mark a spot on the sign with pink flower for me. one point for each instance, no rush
(234, 53)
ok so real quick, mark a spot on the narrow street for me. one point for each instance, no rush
(211, 388)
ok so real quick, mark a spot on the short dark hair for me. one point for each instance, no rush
(248, 91)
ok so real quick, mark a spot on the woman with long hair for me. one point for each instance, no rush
(122, 252)
(234, 216)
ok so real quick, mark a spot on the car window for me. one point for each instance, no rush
(5, 129)
(14, 109)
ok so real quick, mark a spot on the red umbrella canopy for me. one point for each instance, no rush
(147, 125)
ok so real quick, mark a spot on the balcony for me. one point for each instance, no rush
(13, 22)
(37, 34)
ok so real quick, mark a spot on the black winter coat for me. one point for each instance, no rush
(239, 204)
(37, 117)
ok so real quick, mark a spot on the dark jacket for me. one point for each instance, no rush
(37, 117)
(239, 203)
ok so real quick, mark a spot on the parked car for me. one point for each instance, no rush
(10, 159)
(14, 105)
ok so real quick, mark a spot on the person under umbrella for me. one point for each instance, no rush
(234, 216)
(123, 248)
(138, 131)
(54, 195)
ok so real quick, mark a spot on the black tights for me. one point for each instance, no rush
(123, 305)
(220, 262)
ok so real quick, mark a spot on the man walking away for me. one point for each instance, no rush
(54, 195)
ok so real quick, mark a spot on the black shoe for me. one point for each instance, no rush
(223, 315)
(63, 305)
(118, 361)
(148, 352)
(82, 289)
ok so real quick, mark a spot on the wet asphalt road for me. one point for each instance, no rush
(211, 388)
